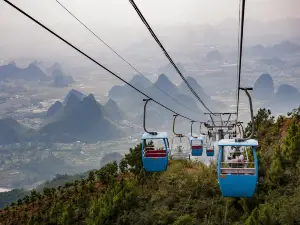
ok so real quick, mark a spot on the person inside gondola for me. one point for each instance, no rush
(237, 156)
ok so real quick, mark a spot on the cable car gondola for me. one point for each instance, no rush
(181, 146)
(155, 152)
(197, 145)
(196, 142)
(238, 177)
(210, 150)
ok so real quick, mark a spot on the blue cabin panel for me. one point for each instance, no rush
(156, 160)
(155, 164)
(197, 146)
(210, 153)
(238, 185)
(197, 152)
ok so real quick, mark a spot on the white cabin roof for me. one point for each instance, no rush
(232, 142)
(196, 138)
(160, 135)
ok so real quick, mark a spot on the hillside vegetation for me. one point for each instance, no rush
(186, 194)
(14, 195)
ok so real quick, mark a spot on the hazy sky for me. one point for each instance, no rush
(160, 12)
(20, 34)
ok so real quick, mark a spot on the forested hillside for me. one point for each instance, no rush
(186, 194)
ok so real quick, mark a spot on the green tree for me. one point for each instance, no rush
(276, 172)
(33, 195)
(91, 176)
(117, 200)
(123, 165)
(108, 173)
(20, 202)
(291, 150)
(262, 119)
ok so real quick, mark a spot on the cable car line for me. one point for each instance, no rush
(238, 44)
(89, 57)
(166, 53)
(240, 57)
(100, 39)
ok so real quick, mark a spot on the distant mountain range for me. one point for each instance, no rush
(74, 97)
(280, 49)
(53, 67)
(79, 95)
(282, 55)
(214, 56)
(286, 98)
(12, 131)
(111, 157)
(83, 117)
(113, 111)
(30, 73)
(61, 79)
(131, 101)
(189, 38)
(78, 118)
(85, 120)
(264, 88)
(36, 71)
(170, 70)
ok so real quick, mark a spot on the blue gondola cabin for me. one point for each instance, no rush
(197, 145)
(210, 151)
(155, 155)
(238, 176)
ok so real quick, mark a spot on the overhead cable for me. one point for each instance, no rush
(89, 57)
(166, 53)
(238, 44)
(100, 39)
(240, 54)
